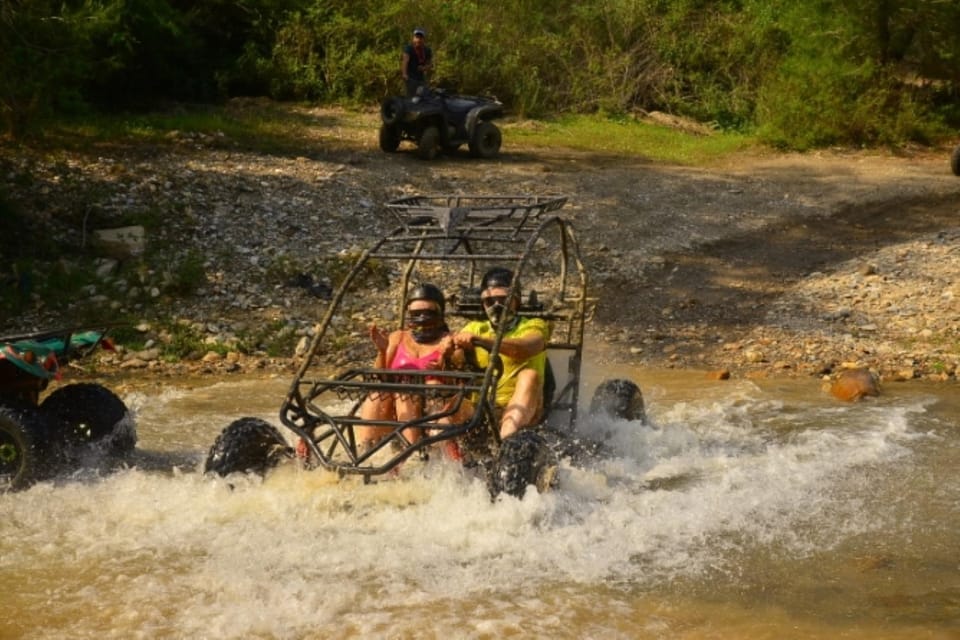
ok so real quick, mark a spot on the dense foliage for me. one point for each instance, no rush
(800, 73)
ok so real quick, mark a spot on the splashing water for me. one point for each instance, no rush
(763, 508)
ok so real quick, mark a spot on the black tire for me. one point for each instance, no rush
(23, 435)
(427, 144)
(486, 139)
(391, 110)
(246, 445)
(389, 138)
(618, 398)
(89, 413)
(525, 459)
(955, 161)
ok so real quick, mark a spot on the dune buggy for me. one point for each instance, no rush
(447, 240)
(40, 439)
(438, 120)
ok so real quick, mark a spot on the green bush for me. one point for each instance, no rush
(892, 69)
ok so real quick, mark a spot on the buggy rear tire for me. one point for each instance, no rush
(618, 398)
(391, 110)
(87, 413)
(427, 144)
(955, 161)
(389, 138)
(486, 140)
(23, 435)
(525, 459)
(246, 445)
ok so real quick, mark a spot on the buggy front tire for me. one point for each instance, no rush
(23, 432)
(525, 459)
(618, 398)
(391, 110)
(389, 138)
(246, 445)
(86, 413)
(955, 161)
(427, 144)
(486, 139)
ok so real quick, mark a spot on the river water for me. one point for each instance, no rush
(740, 510)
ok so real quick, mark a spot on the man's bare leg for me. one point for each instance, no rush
(524, 405)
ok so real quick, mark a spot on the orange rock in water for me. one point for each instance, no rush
(853, 384)
(719, 374)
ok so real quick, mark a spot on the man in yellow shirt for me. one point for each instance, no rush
(522, 350)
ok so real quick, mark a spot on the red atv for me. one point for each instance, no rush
(40, 439)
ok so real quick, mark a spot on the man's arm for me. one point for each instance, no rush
(520, 348)
(404, 64)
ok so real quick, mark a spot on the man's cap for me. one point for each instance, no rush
(419, 32)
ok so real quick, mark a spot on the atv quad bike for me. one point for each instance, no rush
(437, 120)
(447, 240)
(39, 439)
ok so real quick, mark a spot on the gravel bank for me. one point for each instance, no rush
(769, 265)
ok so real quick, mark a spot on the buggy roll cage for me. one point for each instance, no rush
(449, 240)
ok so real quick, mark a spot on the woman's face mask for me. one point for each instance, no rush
(425, 325)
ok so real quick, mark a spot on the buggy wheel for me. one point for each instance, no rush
(486, 140)
(23, 432)
(427, 145)
(246, 445)
(525, 459)
(389, 138)
(87, 413)
(618, 398)
(955, 161)
(391, 110)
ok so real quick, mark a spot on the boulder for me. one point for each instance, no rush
(853, 384)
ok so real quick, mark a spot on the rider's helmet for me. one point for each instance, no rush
(427, 291)
(500, 277)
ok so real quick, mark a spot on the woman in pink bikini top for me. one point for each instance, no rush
(424, 344)
(425, 341)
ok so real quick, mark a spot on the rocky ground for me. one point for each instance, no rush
(770, 264)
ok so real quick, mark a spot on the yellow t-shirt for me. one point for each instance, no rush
(511, 366)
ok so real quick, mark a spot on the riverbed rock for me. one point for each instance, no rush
(854, 384)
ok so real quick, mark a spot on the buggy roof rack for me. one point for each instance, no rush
(462, 213)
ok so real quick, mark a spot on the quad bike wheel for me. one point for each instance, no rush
(427, 144)
(23, 432)
(389, 138)
(391, 110)
(86, 413)
(955, 161)
(618, 398)
(525, 459)
(486, 140)
(246, 445)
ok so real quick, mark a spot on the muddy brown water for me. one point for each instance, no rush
(739, 510)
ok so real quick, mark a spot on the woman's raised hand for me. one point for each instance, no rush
(380, 338)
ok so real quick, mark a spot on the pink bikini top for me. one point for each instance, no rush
(402, 359)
